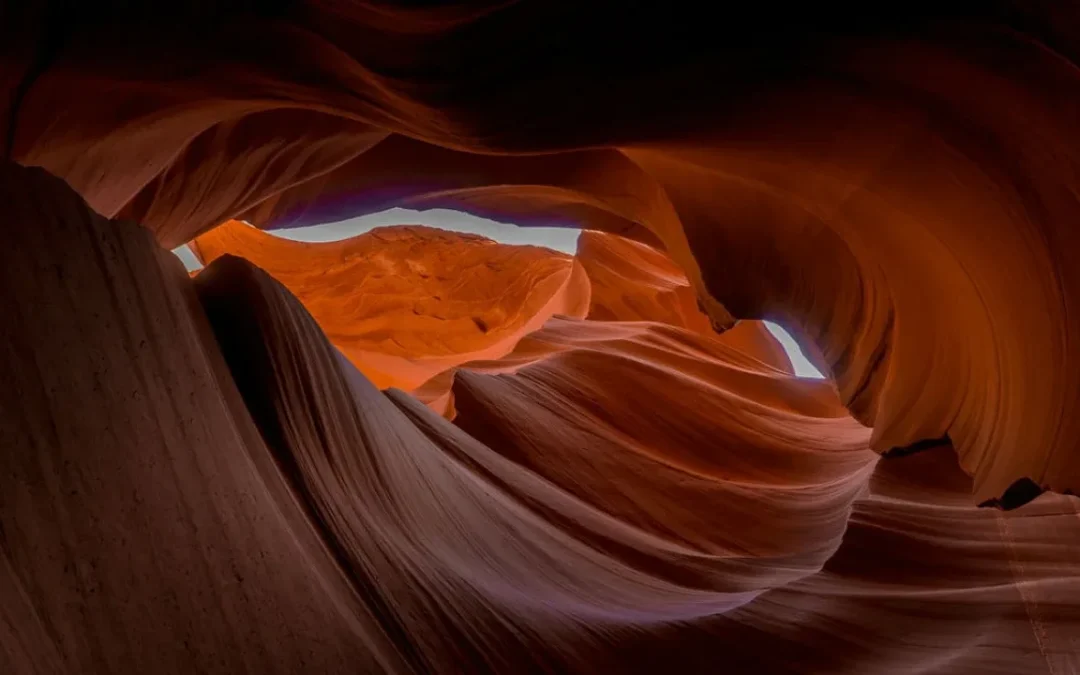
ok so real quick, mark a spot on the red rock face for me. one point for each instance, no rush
(422, 452)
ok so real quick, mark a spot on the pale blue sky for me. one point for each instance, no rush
(799, 362)
(557, 238)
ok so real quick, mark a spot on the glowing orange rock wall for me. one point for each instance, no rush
(404, 304)
(635, 282)
(624, 496)
(199, 482)
(919, 236)
(631, 281)
(631, 284)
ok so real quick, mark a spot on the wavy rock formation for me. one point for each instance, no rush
(476, 564)
(145, 526)
(404, 304)
(634, 282)
(629, 282)
(875, 223)
(225, 492)
(202, 474)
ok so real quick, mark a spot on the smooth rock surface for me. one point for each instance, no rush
(197, 476)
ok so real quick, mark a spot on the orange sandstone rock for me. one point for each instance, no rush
(406, 303)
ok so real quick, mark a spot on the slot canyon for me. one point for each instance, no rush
(582, 441)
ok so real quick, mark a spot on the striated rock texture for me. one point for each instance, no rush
(145, 526)
(630, 281)
(404, 304)
(204, 475)
(897, 187)
(196, 480)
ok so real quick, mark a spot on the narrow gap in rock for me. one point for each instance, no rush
(801, 364)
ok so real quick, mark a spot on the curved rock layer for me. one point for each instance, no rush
(194, 479)
(144, 524)
(740, 362)
(406, 303)
(618, 420)
(631, 281)
(635, 282)
(409, 303)
(898, 188)
(591, 551)
(198, 481)
(478, 564)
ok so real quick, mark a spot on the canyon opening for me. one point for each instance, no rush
(539, 336)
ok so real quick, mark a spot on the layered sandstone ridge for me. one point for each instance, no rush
(421, 452)
(406, 303)
(196, 480)
(409, 304)
(810, 172)
(145, 525)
